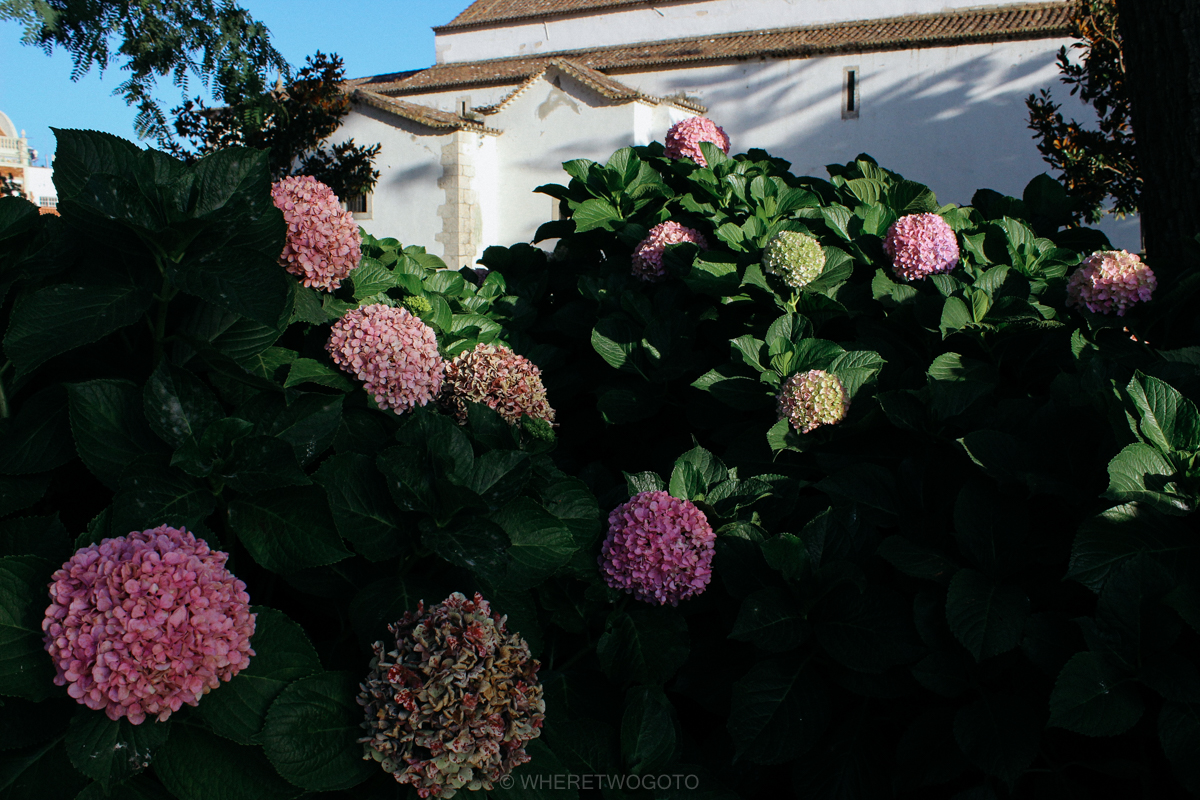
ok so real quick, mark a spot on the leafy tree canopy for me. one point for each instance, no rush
(215, 40)
(293, 121)
(1095, 164)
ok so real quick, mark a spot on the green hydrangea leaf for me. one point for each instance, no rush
(648, 730)
(362, 510)
(109, 425)
(109, 751)
(282, 653)
(1000, 734)
(25, 668)
(772, 619)
(646, 645)
(287, 530)
(312, 730)
(39, 772)
(779, 710)
(187, 766)
(986, 617)
(55, 319)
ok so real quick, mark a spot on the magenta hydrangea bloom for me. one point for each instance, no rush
(499, 378)
(141, 624)
(921, 245)
(685, 136)
(323, 242)
(658, 547)
(1110, 280)
(648, 255)
(812, 399)
(394, 353)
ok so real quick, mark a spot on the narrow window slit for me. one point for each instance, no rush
(850, 99)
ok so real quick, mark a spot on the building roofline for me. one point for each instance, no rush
(604, 85)
(424, 115)
(454, 26)
(1026, 21)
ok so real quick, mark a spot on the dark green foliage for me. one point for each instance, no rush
(293, 122)
(980, 584)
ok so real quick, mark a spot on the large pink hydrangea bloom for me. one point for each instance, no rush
(658, 547)
(499, 378)
(141, 624)
(323, 242)
(1110, 280)
(394, 353)
(921, 245)
(811, 399)
(648, 255)
(685, 136)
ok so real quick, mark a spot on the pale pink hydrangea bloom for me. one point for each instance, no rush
(812, 399)
(685, 136)
(648, 255)
(323, 242)
(658, 547)
(141, 624)
(921, 245)
(394, 353)
(1108, 280)
(499, 378)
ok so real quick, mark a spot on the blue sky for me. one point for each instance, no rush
(372, 36)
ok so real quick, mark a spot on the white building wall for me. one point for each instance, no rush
(406, 198)
(543, 127)
(673, 21)
(38, 185)
(953, 118)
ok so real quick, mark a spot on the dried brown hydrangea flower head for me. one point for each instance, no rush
(500, 379)
(451, 705)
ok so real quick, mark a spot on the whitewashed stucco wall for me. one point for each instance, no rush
(953, 118)
(672, 21)
(407, 196)
(38, 183)
(549, 124)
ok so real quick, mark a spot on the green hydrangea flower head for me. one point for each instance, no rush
(812, 399)
(795, 257)
(417, 305)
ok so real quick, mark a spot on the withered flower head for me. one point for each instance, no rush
(452, 703)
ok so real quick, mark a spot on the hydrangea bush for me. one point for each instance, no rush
(863, 496)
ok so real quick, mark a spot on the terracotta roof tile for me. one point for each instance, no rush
(1027, 21)
(492, 12)
(429, 117)
(598, 81)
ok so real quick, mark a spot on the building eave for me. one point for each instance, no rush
(423, 115)
(1029, 21)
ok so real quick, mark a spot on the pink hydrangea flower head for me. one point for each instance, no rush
(812, 399)
(394, 353)
(658, 547)
(1110, 280)
(648, 255)
(451, 699)
(141, 624)
(499, 378)
(323, 242)
(685, 136)
(921, 245)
